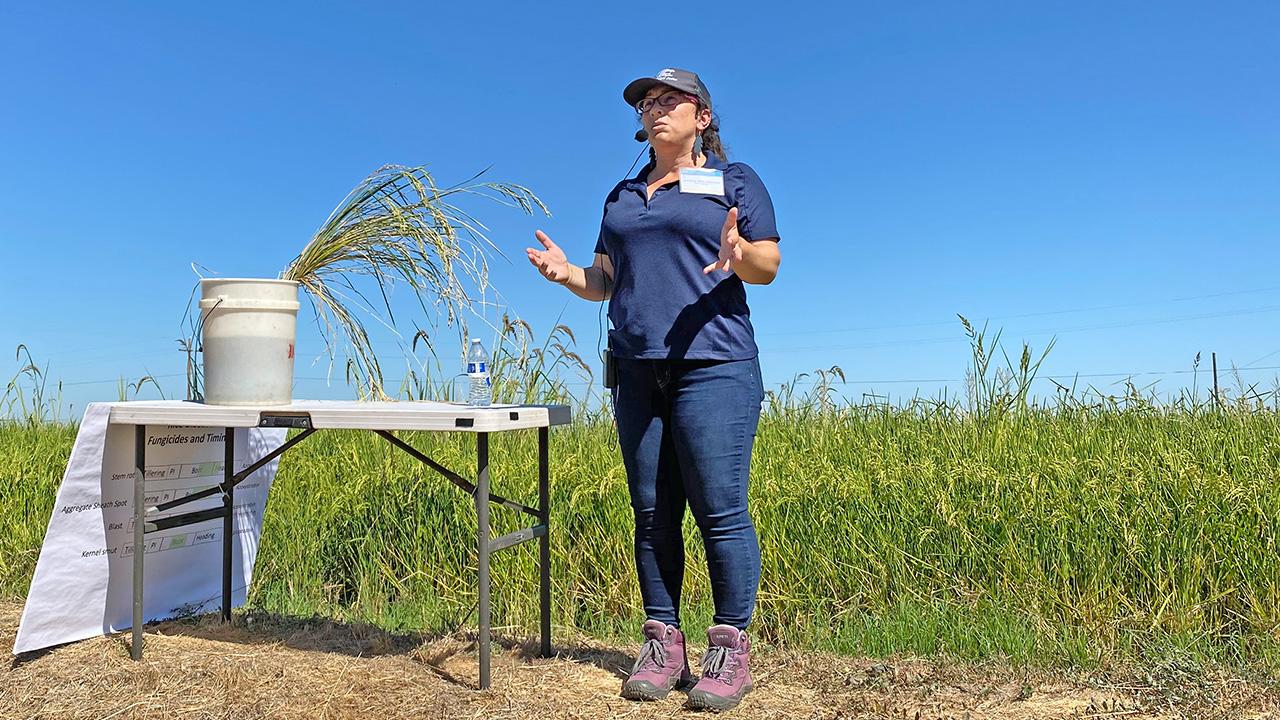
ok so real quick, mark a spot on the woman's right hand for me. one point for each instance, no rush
(551, 261)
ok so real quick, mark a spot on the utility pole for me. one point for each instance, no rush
(1217, 402)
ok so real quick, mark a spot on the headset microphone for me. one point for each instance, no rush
(610, 367)
(641, 135)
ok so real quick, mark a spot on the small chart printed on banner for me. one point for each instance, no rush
(83, 578)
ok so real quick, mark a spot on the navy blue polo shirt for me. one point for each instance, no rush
(663, 306)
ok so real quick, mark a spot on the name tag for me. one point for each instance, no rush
(707, 181)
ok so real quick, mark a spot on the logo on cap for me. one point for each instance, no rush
(667, 74)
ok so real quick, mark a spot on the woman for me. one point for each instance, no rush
(676, 245)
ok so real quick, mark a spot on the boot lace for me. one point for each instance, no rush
(718, 664)
(652, 654)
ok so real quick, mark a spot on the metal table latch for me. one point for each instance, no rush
(285, 420)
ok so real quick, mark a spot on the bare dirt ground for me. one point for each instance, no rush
(264, 666)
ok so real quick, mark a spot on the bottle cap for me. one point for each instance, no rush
(475, 340)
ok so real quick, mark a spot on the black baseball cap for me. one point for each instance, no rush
(672, 77)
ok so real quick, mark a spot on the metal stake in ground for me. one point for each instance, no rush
(1216, 401)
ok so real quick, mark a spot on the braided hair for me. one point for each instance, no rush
(711, 139)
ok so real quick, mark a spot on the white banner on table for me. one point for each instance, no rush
(83, 584)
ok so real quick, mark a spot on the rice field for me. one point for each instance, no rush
(1073, 535)
(1082, 530)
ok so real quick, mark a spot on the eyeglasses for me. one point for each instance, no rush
(666, 100)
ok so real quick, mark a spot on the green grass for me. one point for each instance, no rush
(1072, 536)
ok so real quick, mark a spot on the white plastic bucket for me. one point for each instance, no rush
(249, 328)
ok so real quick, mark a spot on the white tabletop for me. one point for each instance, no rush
(349, 414)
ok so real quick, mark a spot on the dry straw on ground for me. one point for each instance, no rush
(264, 666)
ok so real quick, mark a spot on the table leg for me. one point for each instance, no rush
(482, 550)
(544, 543)
(228, 518)
(139, 517)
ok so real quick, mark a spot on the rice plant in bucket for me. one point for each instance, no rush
(396, 226)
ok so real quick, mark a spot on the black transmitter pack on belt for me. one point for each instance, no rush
(610, 368)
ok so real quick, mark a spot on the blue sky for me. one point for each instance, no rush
(1105, 173)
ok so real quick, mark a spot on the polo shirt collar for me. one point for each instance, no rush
(713, 161)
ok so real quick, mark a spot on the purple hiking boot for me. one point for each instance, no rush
(661, 666)
(726, 671)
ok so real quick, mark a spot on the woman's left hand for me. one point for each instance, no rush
(730, 244)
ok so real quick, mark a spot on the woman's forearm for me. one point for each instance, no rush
(759, 263)
(588, 283)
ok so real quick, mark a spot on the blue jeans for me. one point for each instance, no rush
(686, 428)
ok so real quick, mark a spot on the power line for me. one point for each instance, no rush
(97, 348)
(116, 380)
(1043, 313)
(173, 354)
(1132, 373)
(81, 350)
(907, 342)
(1264, 357)
(849, 381)
(1045, 331)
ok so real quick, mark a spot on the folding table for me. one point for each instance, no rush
(383, 418)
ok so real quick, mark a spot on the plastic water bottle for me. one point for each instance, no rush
(481, 392)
